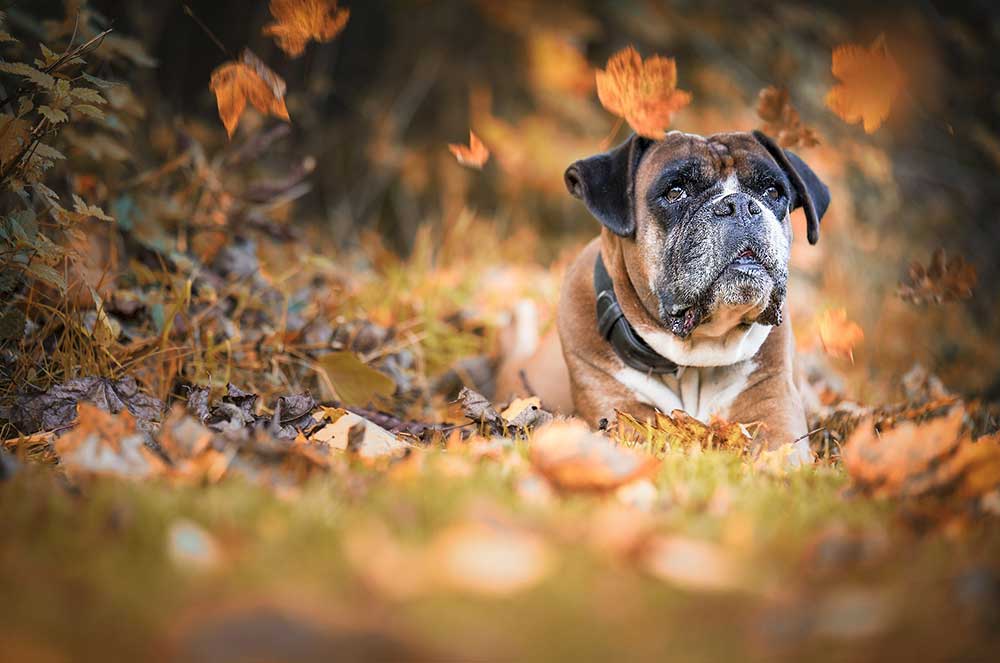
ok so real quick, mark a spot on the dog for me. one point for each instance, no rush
(679, 304)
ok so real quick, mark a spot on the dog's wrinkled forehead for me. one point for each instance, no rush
(706, 158)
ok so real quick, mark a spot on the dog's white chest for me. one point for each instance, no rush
(701, 391)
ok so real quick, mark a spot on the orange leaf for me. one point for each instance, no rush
(870, 80)
(473, 156)
(106, 444)
(247, 80)
(298, 21)
(917, 459)
(838, 334)
(644, 93)
(570, 456)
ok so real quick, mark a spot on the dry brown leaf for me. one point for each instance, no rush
(475, 155)
(296, 22)
(838, 334)
(943, 280)
(918, 459)
(781, 119)
(247, 80)
(572, 457)
(870, 81)
(645, 94)
(106, 444)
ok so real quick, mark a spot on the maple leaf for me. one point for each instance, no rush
(838, 334)
(247, 80)
(474, 156)
(298, 21)
(943, 280)
(870, 81)
(782, 120)
(645, 94)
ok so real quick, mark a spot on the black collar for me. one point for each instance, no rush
(616, 329)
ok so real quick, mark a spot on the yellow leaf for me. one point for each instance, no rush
(298, 21)
(645, 94)
(248, 80)
(870, 80)
(356, 383)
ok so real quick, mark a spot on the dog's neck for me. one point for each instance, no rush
(722, 341)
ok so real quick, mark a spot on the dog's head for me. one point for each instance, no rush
(704, 222)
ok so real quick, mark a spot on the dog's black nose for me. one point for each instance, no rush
(724, 207)
(736, 202)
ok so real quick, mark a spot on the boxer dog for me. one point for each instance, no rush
(680, 303)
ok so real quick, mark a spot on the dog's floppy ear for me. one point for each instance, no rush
(605, 183)
(810, 192)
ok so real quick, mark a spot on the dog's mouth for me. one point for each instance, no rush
(746, 259)
(746, 269)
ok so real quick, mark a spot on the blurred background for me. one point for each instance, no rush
(373, 110)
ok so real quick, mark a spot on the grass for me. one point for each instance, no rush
(89, 572)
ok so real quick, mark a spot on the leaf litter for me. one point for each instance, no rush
(508, 499)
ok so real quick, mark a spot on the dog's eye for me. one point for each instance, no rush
(772, 192)
(675, 194)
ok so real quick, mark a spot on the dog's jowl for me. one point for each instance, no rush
(680, 303)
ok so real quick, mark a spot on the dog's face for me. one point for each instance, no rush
(704, 223)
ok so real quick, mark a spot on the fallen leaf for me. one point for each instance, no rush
(182, 436)
(781, 119)
(296, 22)
(645, 94)
(692, 564)
(943, 280)
(838, 334)
(355, 382)
(525, 412)
(870, 81)
(489, 559)
(917, 459)
(247, 80)
(56, 408)
(106, 444)
(356, 434)
(572, 457)
(475, 155)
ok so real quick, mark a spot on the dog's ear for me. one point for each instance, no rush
(605, 183)
(810, 192)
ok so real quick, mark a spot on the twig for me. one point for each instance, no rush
(802, 437)
(206, 30)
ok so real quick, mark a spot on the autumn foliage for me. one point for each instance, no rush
(250, 325)
(643, 92)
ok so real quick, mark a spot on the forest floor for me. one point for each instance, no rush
(226, 437)
(231, 532)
